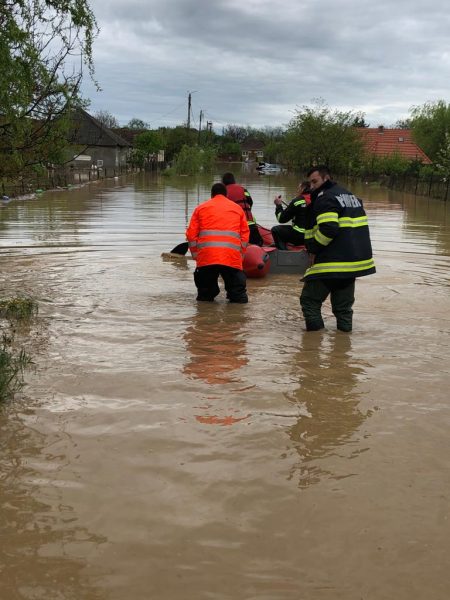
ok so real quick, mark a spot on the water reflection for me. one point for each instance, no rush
(215, 343)
(329, 401)
(37, 527)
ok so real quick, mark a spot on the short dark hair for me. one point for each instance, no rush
(228, 178)
(217, 189)
(322, 169)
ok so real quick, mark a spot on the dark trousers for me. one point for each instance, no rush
(342, 295)
(255, 236)
(206, 281)
(286, 234)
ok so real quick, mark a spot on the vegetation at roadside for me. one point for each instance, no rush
(20, 308)
(193, 159)
(39, 82)
(13, 361)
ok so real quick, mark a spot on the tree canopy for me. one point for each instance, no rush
(320, 135)
(107, 119)
(137, 124)
(430, 123)
(44, 45)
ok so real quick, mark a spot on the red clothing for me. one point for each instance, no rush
(218, 233)
(240, 195)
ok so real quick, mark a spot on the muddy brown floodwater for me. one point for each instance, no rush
(166, 450)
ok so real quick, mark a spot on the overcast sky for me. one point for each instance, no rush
(253, 62)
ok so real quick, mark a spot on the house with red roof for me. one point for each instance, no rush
(384, 142)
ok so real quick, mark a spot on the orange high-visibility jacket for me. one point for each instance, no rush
(218, 233)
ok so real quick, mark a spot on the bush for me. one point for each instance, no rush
(12, 367)
(13, 362)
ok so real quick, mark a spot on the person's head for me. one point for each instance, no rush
(317, 176)
(228, 178)
(218, 189)
(303, 187)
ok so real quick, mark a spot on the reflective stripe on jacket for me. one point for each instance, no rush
(218, 233)
(295, 212)
(337, 233)
(241, 196)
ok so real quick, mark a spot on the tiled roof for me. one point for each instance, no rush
(252, 144)
(382, 142)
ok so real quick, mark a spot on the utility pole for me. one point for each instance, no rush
(200, 126)
(189, 112)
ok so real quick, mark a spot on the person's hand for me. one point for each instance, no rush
(278, 200)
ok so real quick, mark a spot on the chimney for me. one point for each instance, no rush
(380, 128)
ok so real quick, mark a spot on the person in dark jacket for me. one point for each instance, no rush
(295, 212)
(241, 196)
(338, 240)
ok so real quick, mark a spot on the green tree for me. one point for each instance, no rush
(107, 119)
(137, 124)
(41, 41)
(430, 124)
(146, 144)
(173, 139)
(320, 135)
(443, 156)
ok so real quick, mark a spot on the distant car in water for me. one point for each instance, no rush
(267, 168)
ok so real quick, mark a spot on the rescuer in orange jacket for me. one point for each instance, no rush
(241, 196)
(218, 235)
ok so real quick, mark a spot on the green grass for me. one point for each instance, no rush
(13, 362)
(12, 367)
(21, 308)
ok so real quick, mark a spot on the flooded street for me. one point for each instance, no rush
(169, 450)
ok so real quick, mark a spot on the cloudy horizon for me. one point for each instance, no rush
(255, 62)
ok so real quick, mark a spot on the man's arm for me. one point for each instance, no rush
(327, 219)
(192, 233)
(248, 198)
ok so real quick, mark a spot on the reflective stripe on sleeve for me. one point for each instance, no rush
(322, 239)
(329, 217)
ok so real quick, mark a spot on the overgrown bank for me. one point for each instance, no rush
(15, 313)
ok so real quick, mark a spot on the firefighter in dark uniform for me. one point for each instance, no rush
(338, 240)
(295, 212)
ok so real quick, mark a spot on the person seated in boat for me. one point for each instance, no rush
(295, 211)
(241, 196)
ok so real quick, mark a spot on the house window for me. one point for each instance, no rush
(259, 153)
(401, 139)
(244, 153)
(99, 163)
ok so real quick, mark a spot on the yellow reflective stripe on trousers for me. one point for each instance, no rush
(340, 267)
(329, 217)
(322, 239)
(299, 229)
(356, 222)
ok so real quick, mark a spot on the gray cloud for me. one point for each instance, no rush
(252, 62)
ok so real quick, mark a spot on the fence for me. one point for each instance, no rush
(60, 178)
(434, 185)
